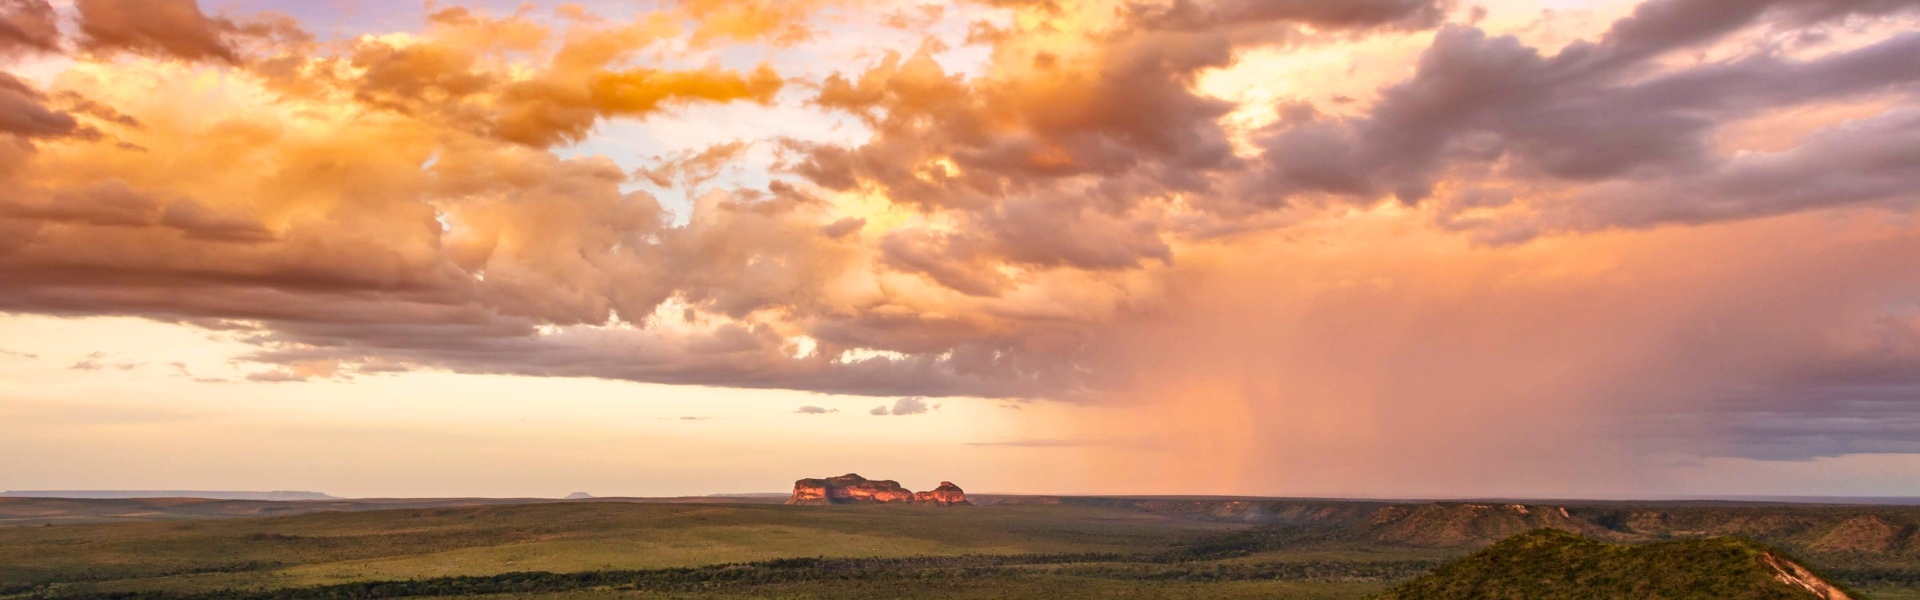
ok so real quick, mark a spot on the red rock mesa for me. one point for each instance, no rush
(852, 488)
(947, 494)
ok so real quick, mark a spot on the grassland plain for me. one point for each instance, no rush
(327, 548)
(1317, 550)
(28, 510)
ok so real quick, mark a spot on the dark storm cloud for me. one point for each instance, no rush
(1869, 161)
(1863, 398)
(1602, 113)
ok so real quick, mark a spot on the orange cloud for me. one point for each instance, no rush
(1507, 236)
(163, 27)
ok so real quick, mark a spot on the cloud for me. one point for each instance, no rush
(27, 112)
(1600, 134)
(904, 407)
(815, 410)
(96, 361)
(28, 26)
(18, 354)
(780, 23)
(1080, 206)
(161, 27)
(912, 406)
(90, 362)
(692, 169)
(275, 376)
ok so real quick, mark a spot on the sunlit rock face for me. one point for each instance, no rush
(852, 488)
(947, 494)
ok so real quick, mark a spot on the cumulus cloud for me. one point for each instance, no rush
(1065, 219)
(904, 407)
(815, 410)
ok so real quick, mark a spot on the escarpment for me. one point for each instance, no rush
(854, 489)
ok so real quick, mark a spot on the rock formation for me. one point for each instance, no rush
(852, 488)
(947, 494)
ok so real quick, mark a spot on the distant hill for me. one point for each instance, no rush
(118, 494)
(851, 488)
(1550, 564)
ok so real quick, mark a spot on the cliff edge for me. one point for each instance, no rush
(854, 489)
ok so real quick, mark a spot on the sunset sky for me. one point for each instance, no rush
(1383, 248)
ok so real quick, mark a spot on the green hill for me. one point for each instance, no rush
(1555, 565)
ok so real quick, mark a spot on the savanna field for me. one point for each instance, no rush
(1009, 547)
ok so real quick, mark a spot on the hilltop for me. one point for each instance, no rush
(854, 489)
(1550, 564)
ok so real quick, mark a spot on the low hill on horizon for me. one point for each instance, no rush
(278, 496)
(1550, 564)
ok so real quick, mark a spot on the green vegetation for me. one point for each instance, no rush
(1556, 565)
(841, 575)
(751, 550)
(331, 548)
(1320, 550)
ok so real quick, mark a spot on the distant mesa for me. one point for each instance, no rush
(578, 496)
(124, 494)
(947, 494)
(854, 489)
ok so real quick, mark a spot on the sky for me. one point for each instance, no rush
(1377, 248)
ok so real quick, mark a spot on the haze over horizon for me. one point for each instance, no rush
(1376, 248)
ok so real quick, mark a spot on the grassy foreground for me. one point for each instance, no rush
(1058, 552)
(672, 550)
